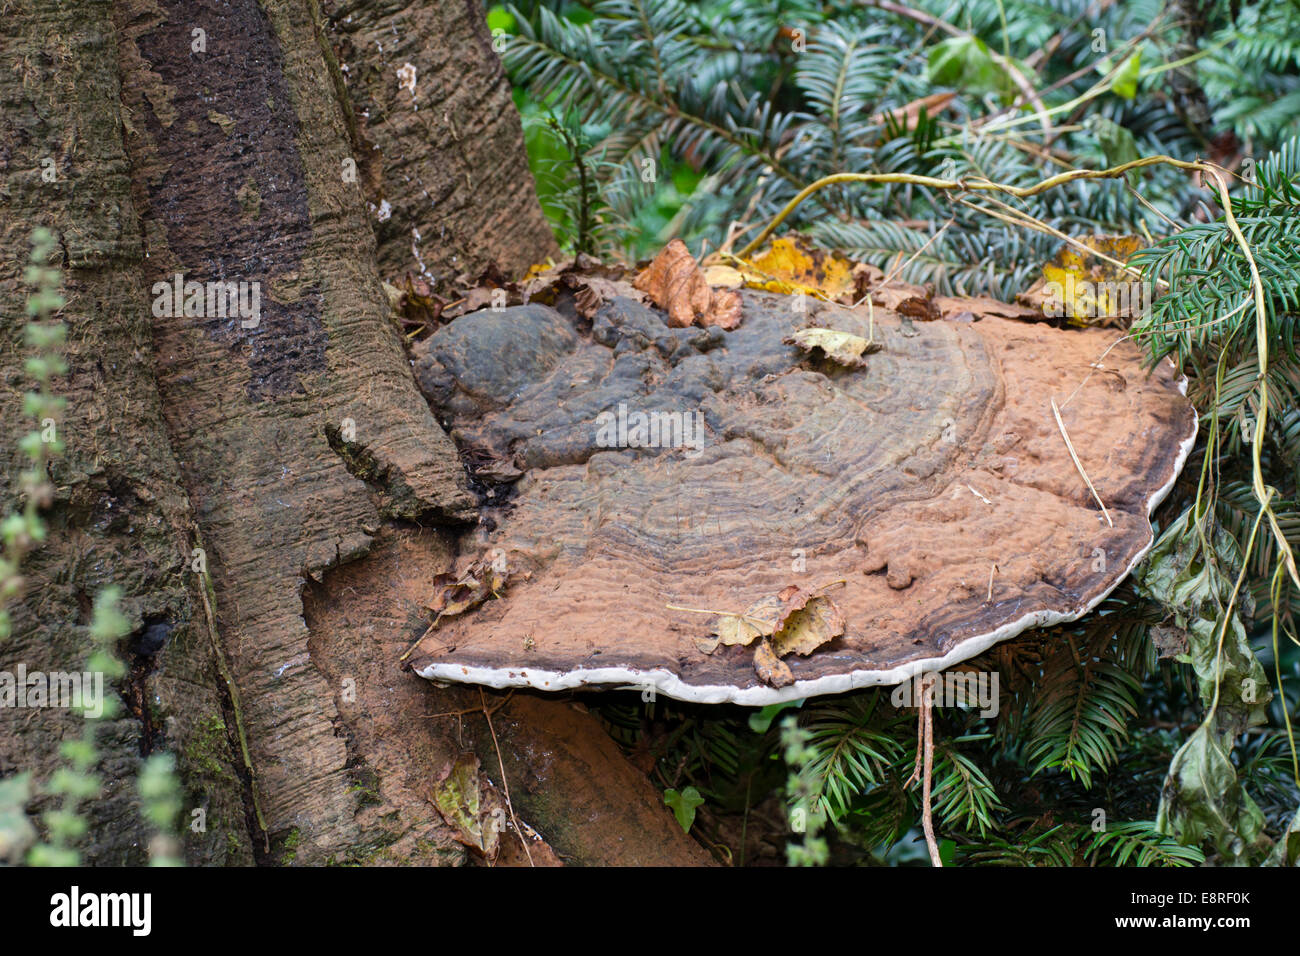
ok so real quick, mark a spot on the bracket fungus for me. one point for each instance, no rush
(725, 516)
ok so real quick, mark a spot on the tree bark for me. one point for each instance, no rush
(216, 140)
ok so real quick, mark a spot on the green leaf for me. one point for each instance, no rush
(499, 18)
(761, 720)
(1202, 799)
(965, 63)
(683, 806)
(1125, 82)
(1287, 850)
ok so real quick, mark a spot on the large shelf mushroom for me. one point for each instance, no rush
(933, 480)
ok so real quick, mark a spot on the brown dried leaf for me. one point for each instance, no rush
(676, 284)
(894, 294)
(981, 306)
(918, 307)
(591, 292)
(458, 594)
(771, 670)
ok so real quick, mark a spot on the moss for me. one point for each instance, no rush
(289, 848)
(208, 752)
(367, 796)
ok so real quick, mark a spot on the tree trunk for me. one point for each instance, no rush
(271, 484)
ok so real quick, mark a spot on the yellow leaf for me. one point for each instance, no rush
(1087, 288)
(759, 620)
(790, 265)
(809, 628)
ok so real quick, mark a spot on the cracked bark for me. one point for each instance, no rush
(294, 451)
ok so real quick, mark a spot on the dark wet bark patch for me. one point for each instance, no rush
(230, 187)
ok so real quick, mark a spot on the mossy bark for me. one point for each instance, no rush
(213, 139)
(121, 514)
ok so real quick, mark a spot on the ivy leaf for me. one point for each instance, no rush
(1192, 588)
(683, 806)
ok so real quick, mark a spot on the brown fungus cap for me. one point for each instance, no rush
(928, 495)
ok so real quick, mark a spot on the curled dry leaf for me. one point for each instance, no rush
(591, 292)
(893, 295)
(809, 628)
(676, 284)
(808, 620)
(793, 622)
(843, 348)
(591, 282)
(771, 669)
(458, 594)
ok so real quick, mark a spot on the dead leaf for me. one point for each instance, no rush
(724, 277)
(918, 307)
(457, 594)
(982, 306)
(844, 348)
(1169, 641)
(791, 265)
(865, 278)
(893, 294)
(591, 292)
(758, 620)
(1089, 290)
(771, 670)
(471, 806)
(677, 285)
(807, 621)
(807, 629)
(906, 116)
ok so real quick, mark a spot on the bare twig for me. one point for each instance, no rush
(505, 784)
(1078, 464)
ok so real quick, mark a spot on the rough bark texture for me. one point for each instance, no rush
(567, 778)
(120, 515)
(439, 209)
(210, 139)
